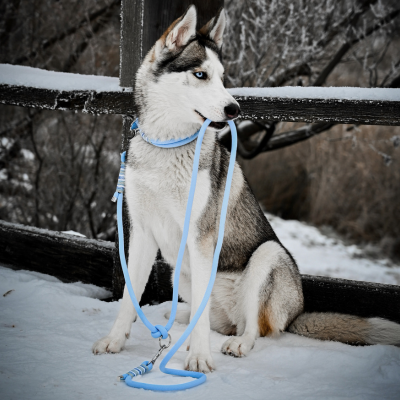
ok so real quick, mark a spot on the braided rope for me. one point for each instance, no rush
(159, 330)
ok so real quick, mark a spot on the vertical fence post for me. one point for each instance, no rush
(142, 23)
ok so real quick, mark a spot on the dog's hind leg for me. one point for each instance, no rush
(142, 253)
(268, 298)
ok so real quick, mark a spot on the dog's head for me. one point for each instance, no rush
(180, 82)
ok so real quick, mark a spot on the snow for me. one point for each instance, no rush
(339, 93)
(6, 142)
(40, 78)
(27, 154)
(43, 79)
(317, 254)
(47, 329)
(3, 174)
(73, 233)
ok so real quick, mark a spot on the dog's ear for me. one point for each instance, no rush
(214, 29)
(181, 30)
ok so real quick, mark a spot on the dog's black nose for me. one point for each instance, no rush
(232, 111)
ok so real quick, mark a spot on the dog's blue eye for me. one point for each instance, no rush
(200, 75)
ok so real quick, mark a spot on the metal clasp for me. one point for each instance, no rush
(162, 348)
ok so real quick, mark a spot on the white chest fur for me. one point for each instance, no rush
(157, 189)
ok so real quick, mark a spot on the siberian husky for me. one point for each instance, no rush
(258, 290)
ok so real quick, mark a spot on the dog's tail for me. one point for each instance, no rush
(346, 328)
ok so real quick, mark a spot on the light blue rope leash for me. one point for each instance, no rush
(167, 144)
(159, 330)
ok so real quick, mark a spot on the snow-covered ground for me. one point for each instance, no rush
(47, 329)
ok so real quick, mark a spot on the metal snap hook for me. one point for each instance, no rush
(162, 348)
(165, 346)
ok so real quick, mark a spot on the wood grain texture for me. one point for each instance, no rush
(69, 258)
(73, 259)
(365, 112)
(85, 101)
(131, 42)
(365, 299)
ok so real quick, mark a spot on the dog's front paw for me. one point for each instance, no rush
(238, 346)
(109, 344)
(199, 362)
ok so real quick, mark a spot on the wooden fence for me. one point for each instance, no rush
(72, 258)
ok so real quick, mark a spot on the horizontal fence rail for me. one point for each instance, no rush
(67, 257)
(102, 95)
(73, 258)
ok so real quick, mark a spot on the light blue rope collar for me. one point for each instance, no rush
(167, 144)
(159, 330)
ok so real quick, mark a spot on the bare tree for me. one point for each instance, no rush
(302, 43)
(58, 168)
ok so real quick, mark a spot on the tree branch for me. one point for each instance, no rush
(249, 154)
(348, 45)
(70, 31)
(81, 47)
(302, 68)
(292, 137)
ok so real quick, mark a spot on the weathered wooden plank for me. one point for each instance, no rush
(365, 299)
(366, 112)
(78, 100)
(131, 42)
(68, 257)
(72, 258)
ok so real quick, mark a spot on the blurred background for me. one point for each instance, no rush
(58, 168)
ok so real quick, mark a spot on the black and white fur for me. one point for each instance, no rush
(258, 289)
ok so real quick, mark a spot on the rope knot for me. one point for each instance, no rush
(160, 331)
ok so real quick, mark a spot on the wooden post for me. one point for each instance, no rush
(142, 23)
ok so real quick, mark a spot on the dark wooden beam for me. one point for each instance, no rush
(72, 258)
(364, 112)
(78, 100)
(69, 258)
(365, 299)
